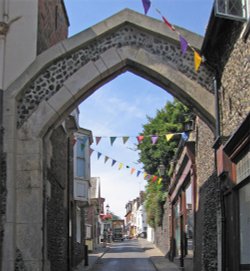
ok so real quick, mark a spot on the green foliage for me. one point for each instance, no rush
(170, 119)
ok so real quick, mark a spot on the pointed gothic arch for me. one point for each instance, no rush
(68, 73)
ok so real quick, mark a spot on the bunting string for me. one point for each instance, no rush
(121, 165)
(183, 42)
(140, 138)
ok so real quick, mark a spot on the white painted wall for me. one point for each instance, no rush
(20, 44)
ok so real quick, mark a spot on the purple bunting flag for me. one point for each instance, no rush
(154, 139)
(138, 173)
(146, 5)
(184, 44)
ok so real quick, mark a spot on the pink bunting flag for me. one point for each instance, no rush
(184, 44)
(132, 170)
(154, 139)
(73, 141)
(146, 5)
(112, 140)
(97, 139)
(140, 138)
(168, 23)
(90, 151)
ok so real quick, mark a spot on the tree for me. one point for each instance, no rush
(170, 119)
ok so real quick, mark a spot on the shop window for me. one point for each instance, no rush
(189, 221)
(243, 167)
(80, 158)
(244, 215)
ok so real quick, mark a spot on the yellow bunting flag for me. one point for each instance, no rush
(132, 170)
(159, 180)
(169, 136)
(197, 61)
(120, 166)
(145, 175)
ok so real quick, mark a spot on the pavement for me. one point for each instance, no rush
(158, 259)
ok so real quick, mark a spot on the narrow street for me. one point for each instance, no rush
(124, 256)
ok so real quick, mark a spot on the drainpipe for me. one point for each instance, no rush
(217, 108)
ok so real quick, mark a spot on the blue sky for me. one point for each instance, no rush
(119, 108)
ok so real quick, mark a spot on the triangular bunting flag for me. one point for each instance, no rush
(184, 44)
(138, 173)
(140, 138)
(169, 136)
(146, 5)
(159, 180)
(132, 170)
(97, 139)
(197, 61)
(120, 166)
(125, 139)
(168, 23)
(113, 162)
(154, 139)
(154, 179)
(144, 175)
(99, 155)
(112, 140)
(184, 136)
(90, 151)
(106, 158)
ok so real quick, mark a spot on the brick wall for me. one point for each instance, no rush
(52, 24)
(57, 211)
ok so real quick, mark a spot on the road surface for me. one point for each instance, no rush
(124, 256)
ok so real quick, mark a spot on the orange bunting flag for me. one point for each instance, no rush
(169, 136)
(120, 166)
(132, 170)
(197, 61)
(140, 138)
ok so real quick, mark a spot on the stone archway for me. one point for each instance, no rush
(64, 76)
